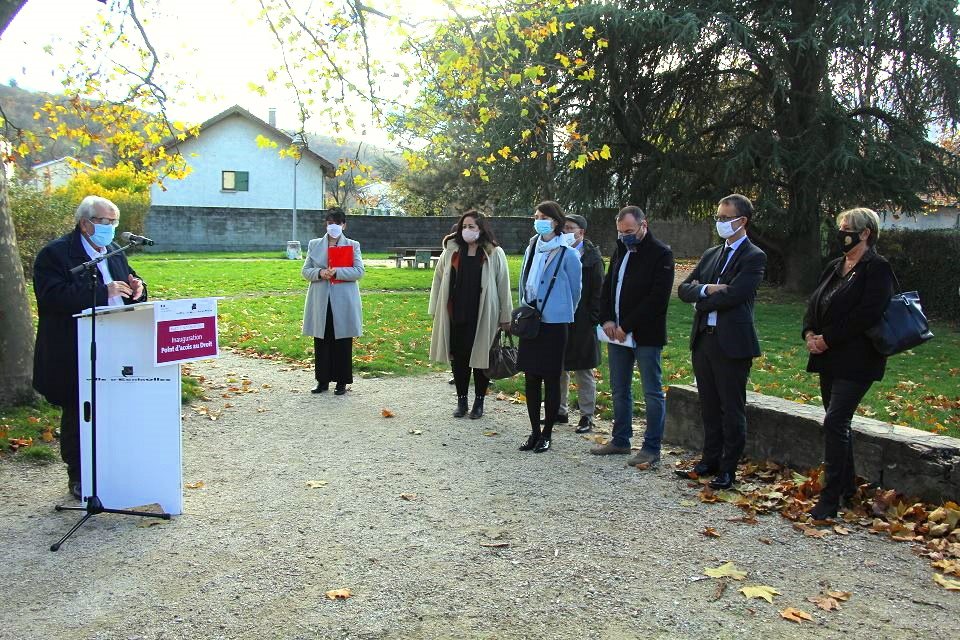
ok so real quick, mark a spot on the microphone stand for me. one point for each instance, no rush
(94, 506)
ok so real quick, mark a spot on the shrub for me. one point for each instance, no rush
(38, 218)
(926, 261)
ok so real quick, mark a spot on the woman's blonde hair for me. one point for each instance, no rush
(862, 218)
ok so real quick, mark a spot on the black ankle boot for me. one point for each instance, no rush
(477, 411)
(825, 509)
(461, 407)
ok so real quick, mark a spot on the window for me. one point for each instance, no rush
(235, 181)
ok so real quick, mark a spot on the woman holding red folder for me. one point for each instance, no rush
(332, 313)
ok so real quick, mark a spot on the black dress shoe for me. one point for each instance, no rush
(724, 480)
(320, 388)
(477, 411)
(700, 469)
(461, 409)
(562, 418)
(585, 425)
(74, 486)
(531, 442)
(542, 445)
(341, 389)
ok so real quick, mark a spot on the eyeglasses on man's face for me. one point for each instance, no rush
(110, 221)
(720, 218)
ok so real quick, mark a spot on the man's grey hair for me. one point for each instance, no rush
(89, 205)
(632, 210)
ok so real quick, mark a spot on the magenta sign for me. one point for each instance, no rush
(185, 330)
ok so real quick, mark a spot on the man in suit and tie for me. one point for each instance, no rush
(723, 340)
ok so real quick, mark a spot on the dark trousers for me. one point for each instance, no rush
(550, 399)
(332, 358)
(840, 400)
(461, 346)
(722, 385)
(70, 439)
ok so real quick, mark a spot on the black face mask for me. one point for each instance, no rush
(848, 239)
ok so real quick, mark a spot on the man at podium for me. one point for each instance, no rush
(61, 294)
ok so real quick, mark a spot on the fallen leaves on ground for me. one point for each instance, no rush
(795, 615)
(768, 487)
(316, 484)
(710, 532)
(726, 570)
(199, 484)
(386, 413)
(760, 591)
(946, 583)
(338, 594)
(489, 433)
(408, 496)
(825, 601)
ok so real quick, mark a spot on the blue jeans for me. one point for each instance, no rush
(621, 361)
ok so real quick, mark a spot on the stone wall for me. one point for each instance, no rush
(913, 462)
(224, 229)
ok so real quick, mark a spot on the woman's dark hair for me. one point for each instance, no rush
(553, 211)
(486, 233)
(336, 216)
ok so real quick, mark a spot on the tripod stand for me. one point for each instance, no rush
(94, 506)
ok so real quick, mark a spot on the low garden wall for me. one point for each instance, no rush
(913, 462)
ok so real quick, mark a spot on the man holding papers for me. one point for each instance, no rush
(633, 319)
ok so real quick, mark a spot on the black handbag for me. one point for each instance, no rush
(525, 319)
(903, 325)
(503, 358)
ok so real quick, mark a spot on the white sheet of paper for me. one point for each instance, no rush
(629, 342)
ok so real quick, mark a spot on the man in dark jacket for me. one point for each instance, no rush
(583, 348)
(723, 338)
(633, 313)
(61, 294)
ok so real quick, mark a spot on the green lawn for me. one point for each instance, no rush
(263, 307)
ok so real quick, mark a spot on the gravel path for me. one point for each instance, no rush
(493, 543)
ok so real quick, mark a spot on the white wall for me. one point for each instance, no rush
(942, 218)
(230, 145)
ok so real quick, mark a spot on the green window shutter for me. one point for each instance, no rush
(243, 180)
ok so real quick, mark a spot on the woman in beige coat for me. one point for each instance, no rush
(332, 313)
(469, 301)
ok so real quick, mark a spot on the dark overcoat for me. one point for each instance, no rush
(583, 348)
(856, 306)
(60, 294)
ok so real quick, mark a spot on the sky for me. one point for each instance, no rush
(215, 44)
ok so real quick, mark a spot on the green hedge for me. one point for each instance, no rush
(38, 218)
(927, 262)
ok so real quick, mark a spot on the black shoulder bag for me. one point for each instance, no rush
(525, 319)
(902, 326)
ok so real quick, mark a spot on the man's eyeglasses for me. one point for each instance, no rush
(110, 221)
(726, 219)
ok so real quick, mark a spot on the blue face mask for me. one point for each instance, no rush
(102, 234)
(543, 227)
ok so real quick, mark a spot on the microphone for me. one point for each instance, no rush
(126, 236)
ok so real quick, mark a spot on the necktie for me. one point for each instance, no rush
(723, 261)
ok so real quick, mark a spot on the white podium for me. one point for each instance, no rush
(139, 455)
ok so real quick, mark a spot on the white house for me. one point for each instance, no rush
(231, 169)
(943, 217)
(56, 173)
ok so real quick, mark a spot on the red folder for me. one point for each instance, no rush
(339, 257)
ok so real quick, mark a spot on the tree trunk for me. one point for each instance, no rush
(801, 260)
(16, 328)
(8, 11)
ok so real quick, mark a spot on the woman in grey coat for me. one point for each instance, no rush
(332, 313)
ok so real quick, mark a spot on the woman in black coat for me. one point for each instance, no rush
(853, 293)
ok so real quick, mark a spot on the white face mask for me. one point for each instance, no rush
(569, 239)
(334, 230)
(470, 235)
(725, 228)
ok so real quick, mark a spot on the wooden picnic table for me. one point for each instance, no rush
(416, 256)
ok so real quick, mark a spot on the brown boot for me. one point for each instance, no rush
(609, 449)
